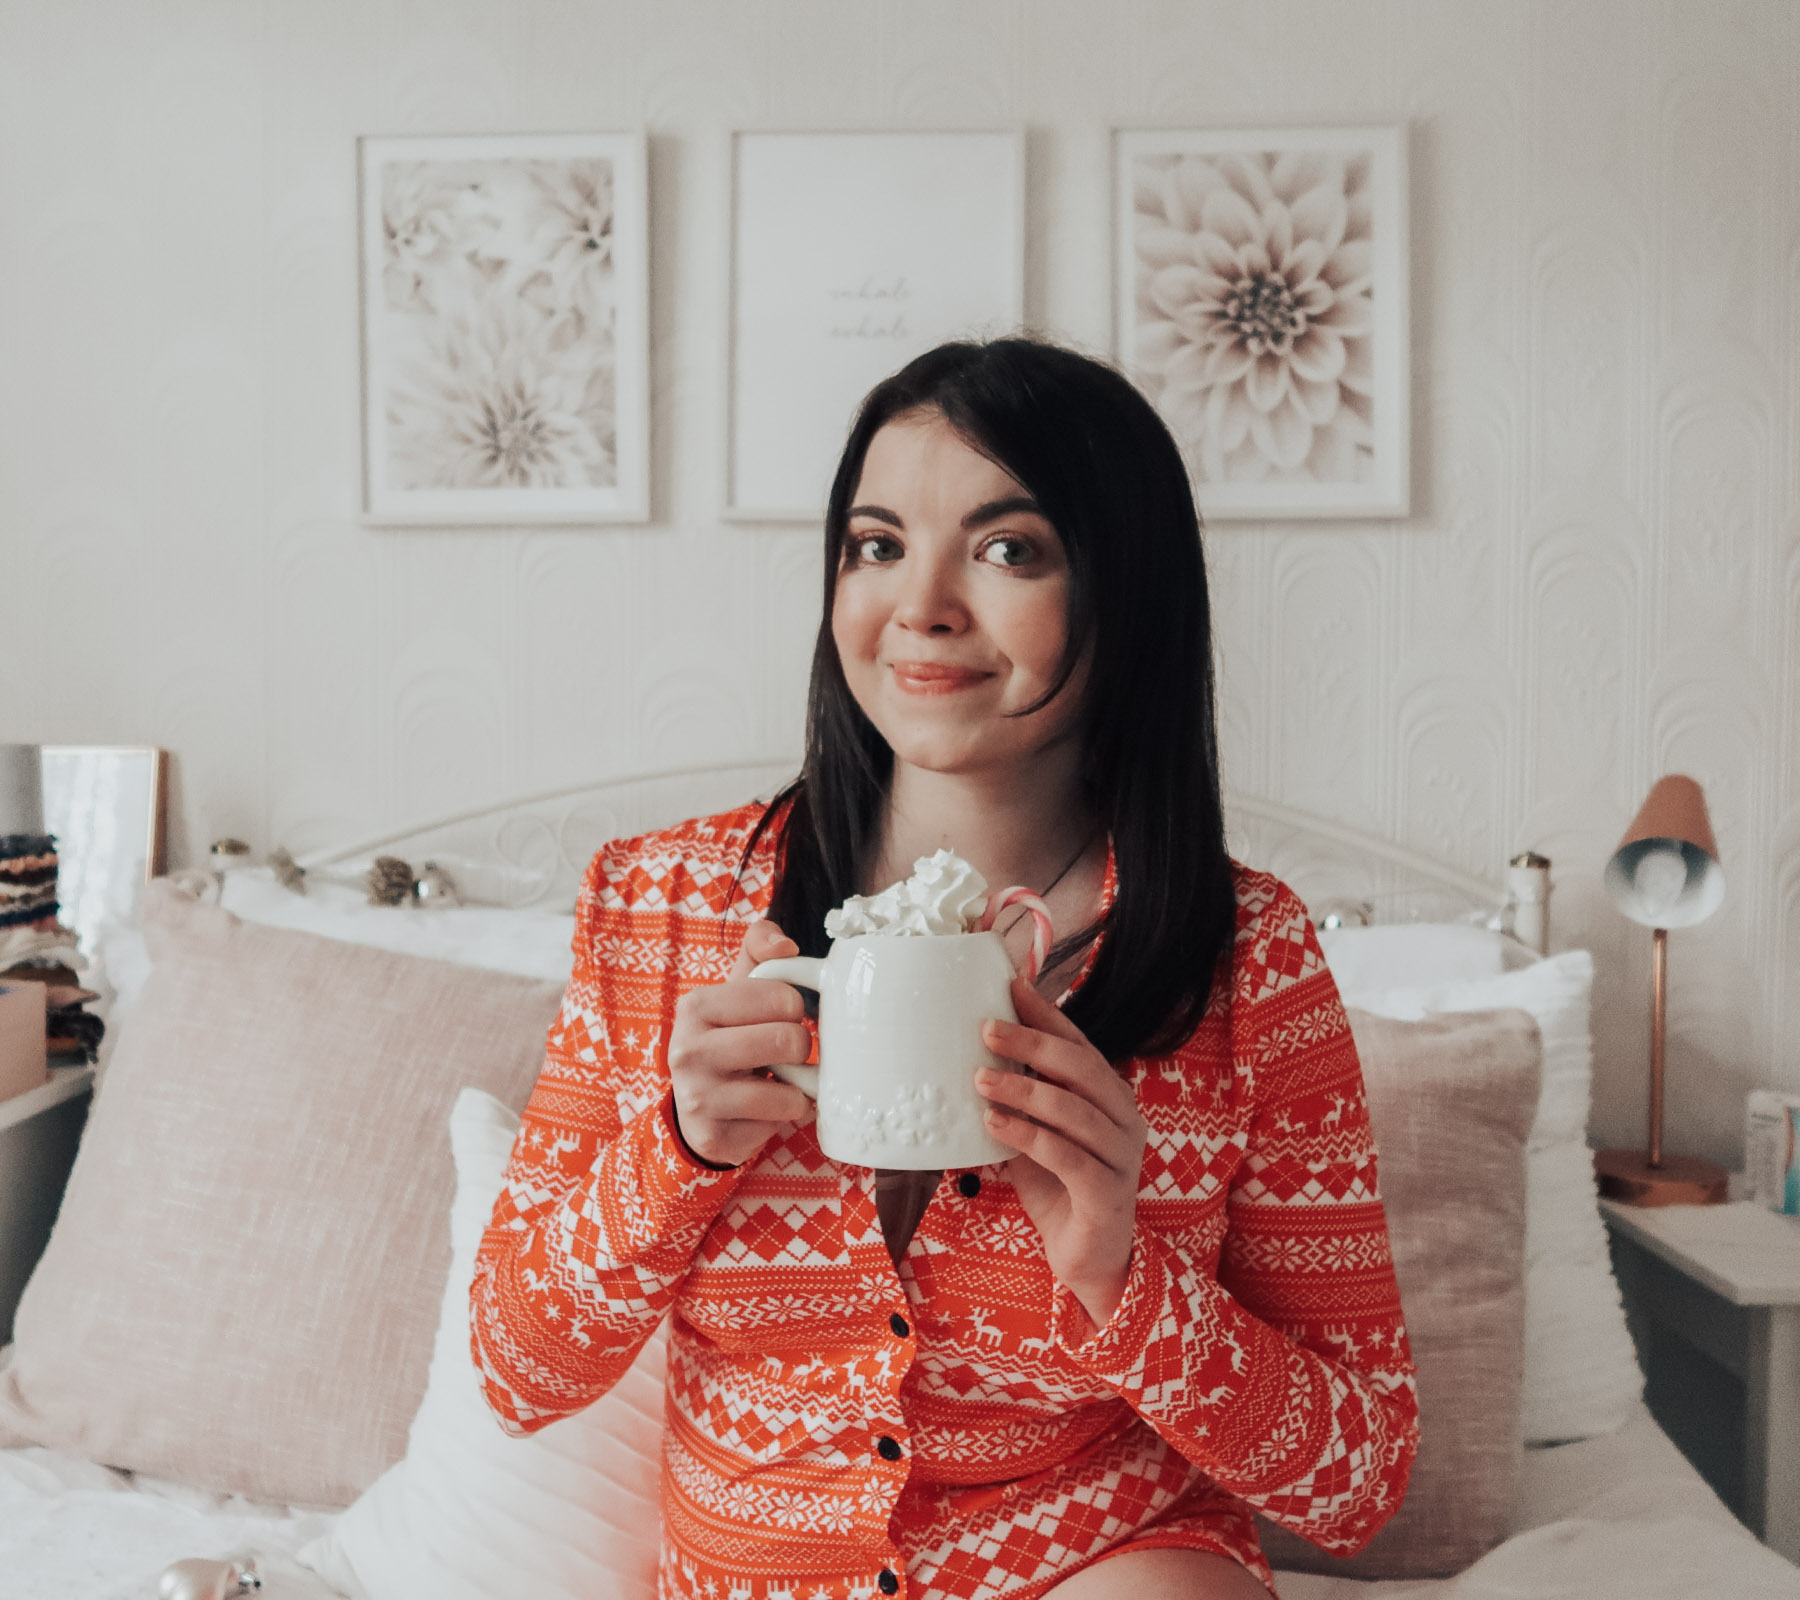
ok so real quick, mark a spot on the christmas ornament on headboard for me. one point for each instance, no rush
(288, 872)
(209, 1580)
(390, 881)
(436, 889)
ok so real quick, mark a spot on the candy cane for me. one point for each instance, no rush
(1042, 930)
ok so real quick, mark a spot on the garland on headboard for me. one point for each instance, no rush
(389, 881)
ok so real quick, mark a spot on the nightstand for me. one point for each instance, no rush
(1712, 1295)
(39, 1131)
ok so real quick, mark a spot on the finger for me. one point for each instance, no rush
(748, 1099)
(763, 941)
(1077, 1067)
(1037, 1012)
(723, 1052)
(741, 1000)
(1057, 1110)
(1079, 1170)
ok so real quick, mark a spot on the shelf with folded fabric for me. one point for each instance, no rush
(35, 948)
(72, 1033)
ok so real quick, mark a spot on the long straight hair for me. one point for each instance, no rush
(1095, 456)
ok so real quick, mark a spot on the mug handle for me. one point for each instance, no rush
(806, 971)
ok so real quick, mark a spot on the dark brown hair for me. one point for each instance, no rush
(1093, 453)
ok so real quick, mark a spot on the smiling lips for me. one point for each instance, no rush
(931, 677)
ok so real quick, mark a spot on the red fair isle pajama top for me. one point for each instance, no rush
(956, 1428)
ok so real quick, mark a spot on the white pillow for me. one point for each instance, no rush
(568, 1513)
(534, 944)
(1416, 954)
(1581, 1373)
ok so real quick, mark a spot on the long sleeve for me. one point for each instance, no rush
(1287, 1376)
(602, 1208)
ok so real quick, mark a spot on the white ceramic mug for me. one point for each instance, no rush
(899, 1044)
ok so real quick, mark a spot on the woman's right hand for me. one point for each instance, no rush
(724, 1039)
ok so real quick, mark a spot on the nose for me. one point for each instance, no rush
(931, 600)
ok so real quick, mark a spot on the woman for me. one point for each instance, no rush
(1075, 1373)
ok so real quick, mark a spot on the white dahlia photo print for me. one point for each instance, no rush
(1262, 310)
(504, 327)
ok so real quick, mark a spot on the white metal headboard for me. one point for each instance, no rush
(532, 851)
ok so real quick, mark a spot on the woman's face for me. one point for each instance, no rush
(952, 604)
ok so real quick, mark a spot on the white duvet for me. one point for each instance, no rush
(71, 1530)
(1619, 1518)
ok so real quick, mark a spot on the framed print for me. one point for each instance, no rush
(1261, 304)
(505, 329)
(107, 805)
(851, 253)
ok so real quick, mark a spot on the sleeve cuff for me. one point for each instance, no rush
(1110, 1348)
(672, 1126)
(673, 1196)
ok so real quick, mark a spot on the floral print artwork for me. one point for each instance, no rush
(498, 294)
(1253, 331)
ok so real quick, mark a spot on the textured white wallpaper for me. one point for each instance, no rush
(1600, 581)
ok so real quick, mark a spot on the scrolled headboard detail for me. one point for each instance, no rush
(532, 851)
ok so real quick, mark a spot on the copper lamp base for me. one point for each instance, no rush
(1679, 1181)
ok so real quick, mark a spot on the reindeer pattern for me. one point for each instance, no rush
(796, 1349)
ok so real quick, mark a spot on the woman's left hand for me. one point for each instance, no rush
(1081, 1145)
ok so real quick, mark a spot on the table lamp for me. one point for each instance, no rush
(1665, 874)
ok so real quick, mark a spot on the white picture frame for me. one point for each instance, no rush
(1285, 381)
(505, 329)
(851, 253)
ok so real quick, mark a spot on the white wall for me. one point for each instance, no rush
(1601, 580)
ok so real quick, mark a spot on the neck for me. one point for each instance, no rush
(1012, 828)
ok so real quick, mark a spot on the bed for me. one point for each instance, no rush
(1617, 1512)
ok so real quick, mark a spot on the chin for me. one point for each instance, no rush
(937, 752)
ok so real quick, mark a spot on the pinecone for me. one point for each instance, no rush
(288, 872)
(390, 881)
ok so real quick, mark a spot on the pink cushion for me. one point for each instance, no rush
(243, 1282)
(1452, 1099)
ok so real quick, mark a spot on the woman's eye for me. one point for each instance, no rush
(873, 548)
(1008, 552)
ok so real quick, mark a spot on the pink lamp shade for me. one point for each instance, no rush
(1666, 873)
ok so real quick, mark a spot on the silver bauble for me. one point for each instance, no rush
(208, 1580)
(436, 889)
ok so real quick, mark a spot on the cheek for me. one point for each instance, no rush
(1034, 630)
(854, 629)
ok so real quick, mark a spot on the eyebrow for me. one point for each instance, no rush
(987, 511)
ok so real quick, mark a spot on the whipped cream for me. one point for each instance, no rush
(944, 895)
